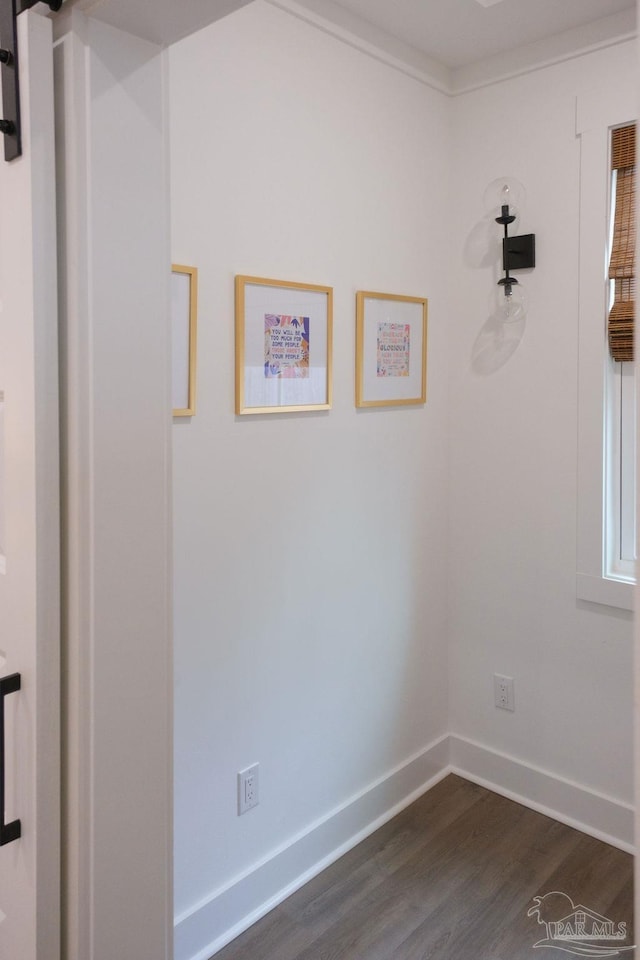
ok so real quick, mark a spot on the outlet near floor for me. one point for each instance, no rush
(248, 783)
(503, 692)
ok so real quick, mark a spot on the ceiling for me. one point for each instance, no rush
(460, 32)
(454, 44)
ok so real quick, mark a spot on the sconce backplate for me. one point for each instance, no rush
(518, 253)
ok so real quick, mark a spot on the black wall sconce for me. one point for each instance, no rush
(10, 122)
(518, 253)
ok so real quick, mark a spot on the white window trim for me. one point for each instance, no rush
(595, 116)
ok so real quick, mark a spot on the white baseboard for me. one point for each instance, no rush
(594, 813)
(200, 932)
(210, 925)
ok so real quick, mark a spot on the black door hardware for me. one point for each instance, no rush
(8, 831)
(10, 122)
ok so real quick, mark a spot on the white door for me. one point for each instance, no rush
(29, 517)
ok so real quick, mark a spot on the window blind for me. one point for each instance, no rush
(621, 266)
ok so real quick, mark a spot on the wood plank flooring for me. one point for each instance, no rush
(450, 878)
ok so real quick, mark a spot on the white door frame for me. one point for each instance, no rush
(114, 294)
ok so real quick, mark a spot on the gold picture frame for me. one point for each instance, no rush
(184, 322)
(284, 334)
(391, 349)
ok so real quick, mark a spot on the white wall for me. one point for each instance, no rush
(319, 646)
(513, 607)
(311, 641)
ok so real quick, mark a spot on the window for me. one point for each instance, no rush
(606, 388)
(620, 485)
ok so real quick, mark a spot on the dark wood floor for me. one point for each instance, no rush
(450, 878)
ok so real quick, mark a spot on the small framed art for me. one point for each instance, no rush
(391, 350)
(283, 346)
(184, 314)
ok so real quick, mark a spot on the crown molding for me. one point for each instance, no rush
(333, 19)
(606, 32)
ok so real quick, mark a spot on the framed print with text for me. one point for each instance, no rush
(283, 346)
(184, 314)
(391, 350)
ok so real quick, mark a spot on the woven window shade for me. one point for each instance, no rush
(621, 266)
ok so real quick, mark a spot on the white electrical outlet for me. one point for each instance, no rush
(248, 795)
(503, 692)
